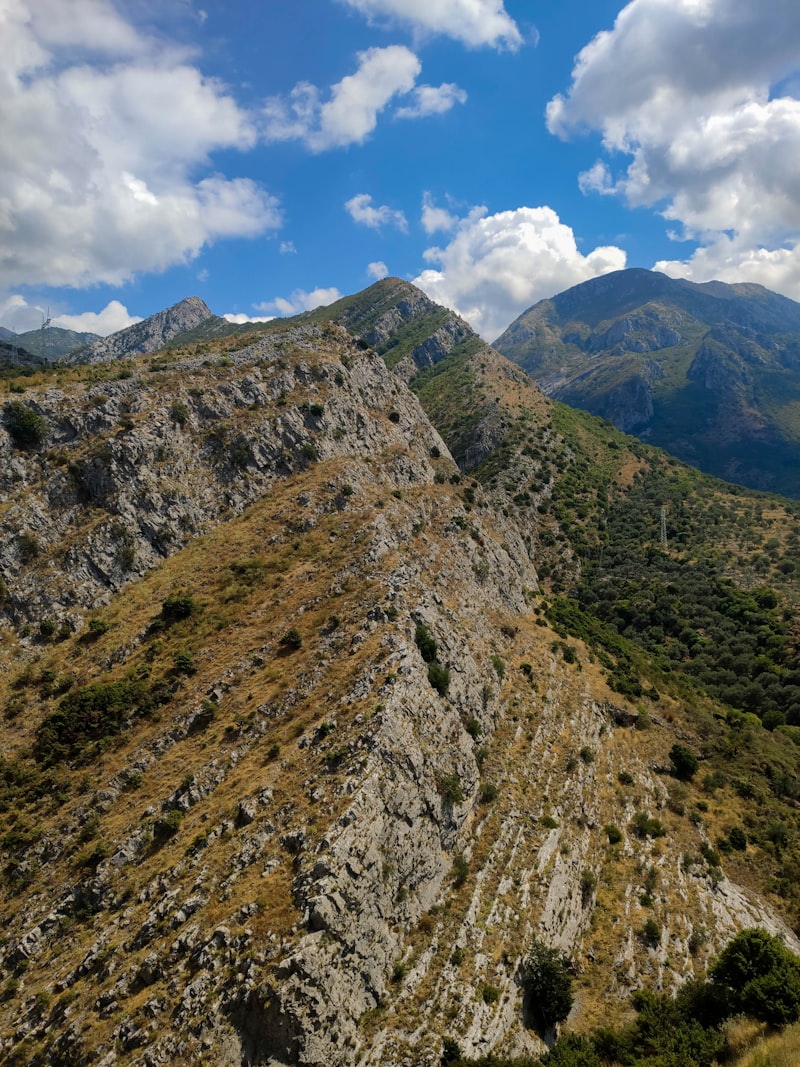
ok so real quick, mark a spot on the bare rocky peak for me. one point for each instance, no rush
(146, 336)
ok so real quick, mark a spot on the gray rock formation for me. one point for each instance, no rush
(144, 337)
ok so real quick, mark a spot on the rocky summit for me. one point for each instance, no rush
(143, 337)
(709, 372)
(342, 673)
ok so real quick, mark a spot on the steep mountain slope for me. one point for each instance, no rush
(147, 336)
(710, 372)
(299, 748)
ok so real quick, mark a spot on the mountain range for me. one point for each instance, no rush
(340, 667)
(709, 372)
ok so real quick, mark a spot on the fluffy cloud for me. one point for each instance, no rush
(361, 209)
(432, 100)
(351, 113)
(239, 319)
(18, 315)
(98, 164)
(496, 266)
(300, 300)
(473, 22)
(731, 259)
(436, 219)
(695, 94)
(377, 270)
(114, 316)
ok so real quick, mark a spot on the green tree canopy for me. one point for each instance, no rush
(760, 977)
(546, 979)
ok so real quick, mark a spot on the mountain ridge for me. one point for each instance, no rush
(310, 729)
(708, 372)
(144, 337)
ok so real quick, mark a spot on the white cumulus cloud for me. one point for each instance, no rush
(102, 166)
(436, 219)
(732, 259)
(696, 96)
(113, 317)
(498, 265)
(377, 270)
(300, 300)
(17, 314)
(350, 114)
(361, 209)
(240, 319)
(432, 100)
(473, 22)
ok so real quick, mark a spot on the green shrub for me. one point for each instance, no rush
(426, 643)
(168, 824)
(449, 786)
(25, 427)
(684, 762)
(291, 640)
(588, 886)
(28, 546)
(651, 933)
(710, 855)
(183, 662)
(473, 728)
(645, 826)
(92, 713)
(179, 413)
(439, 677)
(613, 833)
(460, 869)
(488, 793)
(489, 994)
(738, 839)
(177, 606)
(499, 667)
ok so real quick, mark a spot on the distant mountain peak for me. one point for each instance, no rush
(710, 371)
(147, 336)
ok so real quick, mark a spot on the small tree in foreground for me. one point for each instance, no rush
(760, 977)
(546, 979)
(26, 428)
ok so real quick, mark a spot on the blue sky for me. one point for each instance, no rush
(271, 156)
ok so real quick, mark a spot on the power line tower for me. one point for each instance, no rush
(45, 323)
(664, 527)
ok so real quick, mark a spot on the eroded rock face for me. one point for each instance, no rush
(131, 470)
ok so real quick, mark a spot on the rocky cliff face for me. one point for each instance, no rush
(358, 770)
(144, 337)
(704, 371)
